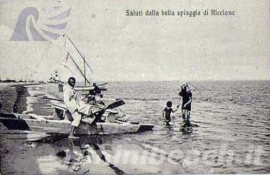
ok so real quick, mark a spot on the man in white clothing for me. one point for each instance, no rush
(76, 108)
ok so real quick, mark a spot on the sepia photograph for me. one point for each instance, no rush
(134, 87)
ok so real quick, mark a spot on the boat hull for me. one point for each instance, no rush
(50, 126)
(102, 87)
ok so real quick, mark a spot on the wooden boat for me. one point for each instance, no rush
(24, 135)
(53, 125)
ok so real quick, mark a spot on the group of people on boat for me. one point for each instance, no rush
(186, 96)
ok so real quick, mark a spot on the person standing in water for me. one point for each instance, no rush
(186, 96)
(167, 112)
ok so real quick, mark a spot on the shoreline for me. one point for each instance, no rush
(20, 105)
(8, 96)
(13, 99)
(18, 156)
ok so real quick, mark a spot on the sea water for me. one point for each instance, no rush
(232, 137)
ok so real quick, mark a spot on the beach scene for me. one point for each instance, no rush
(233, 133)
(125, 87)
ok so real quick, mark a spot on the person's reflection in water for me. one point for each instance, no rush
(80, 153)
(93, 143)
(76, 158)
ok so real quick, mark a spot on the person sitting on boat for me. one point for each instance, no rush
(186, 96)
(96, 90)
(167, 112)
(75, 107)
(99, 100)
(94, 95)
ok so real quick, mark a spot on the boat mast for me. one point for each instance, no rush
(84, 60)
(84, 69)
(79, 69)
(79, 53)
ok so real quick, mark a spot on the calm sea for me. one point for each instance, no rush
(233, 117)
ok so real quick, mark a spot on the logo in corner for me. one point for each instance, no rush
(35, 25)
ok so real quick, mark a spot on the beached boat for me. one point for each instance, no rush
(48, 125)
(54, 125)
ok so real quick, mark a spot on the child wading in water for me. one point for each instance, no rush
(167, 112)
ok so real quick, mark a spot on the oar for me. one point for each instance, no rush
(110, 106)
(115, 104)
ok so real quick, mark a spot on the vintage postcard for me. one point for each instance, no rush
(134, 87)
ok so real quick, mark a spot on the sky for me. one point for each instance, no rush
(138, 48)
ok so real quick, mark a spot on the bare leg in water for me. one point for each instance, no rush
(186, 117)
